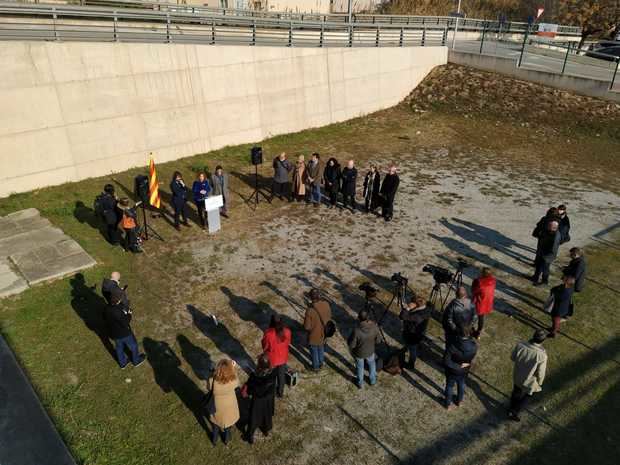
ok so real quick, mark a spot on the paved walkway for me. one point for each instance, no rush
(27, 435)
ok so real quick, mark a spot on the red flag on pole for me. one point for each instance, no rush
(154, 199)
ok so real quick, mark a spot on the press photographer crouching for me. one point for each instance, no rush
(415, 317)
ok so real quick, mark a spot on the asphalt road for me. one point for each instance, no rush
(551, 61)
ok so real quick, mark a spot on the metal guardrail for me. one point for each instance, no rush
(66, 23)
(470, 24)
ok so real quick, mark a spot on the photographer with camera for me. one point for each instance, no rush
(117, 317)
(458, 316)
(106, 206)
(318, 324)
(112, 285)
(415, 317)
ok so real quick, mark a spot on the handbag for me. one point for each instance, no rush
(329, 329)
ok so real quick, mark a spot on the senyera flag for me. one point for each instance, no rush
(154, 199)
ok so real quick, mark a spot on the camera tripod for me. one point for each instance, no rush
(440, 295)
(253, 198)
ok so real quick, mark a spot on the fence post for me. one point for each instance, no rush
(54, 18)
(377, 37)
(350, 36)
(322, 36)
(565, 58)
(168, 28)
(527, 31)
(115, 27)
(213, 31)
(290, 34)
(613, 79)
(484, 30)
(400, 44)
(254, 32)
(444, 37)
(424, 36)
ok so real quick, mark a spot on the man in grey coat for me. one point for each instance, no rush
(219, 184)
(362, 343)
(530, 366)
(459, 314)
(281, 186)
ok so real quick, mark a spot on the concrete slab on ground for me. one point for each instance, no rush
(33, 251)
(27, 435)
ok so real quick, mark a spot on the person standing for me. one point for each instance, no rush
(117, 318)
(219, 185)
(564, 226)
(261, 388)
(112, 285)
(317, 316)
(129, 223)
(415, 318)
(313, 179)
(179, 199)
(222, 387)
(388, 192)
(299, 179)
(276, 342)
(372, 186)
(458, 358)
(459, 317)
(551, 215)
(362, 343)
(530, 366)
(483, 295)
(349, 181)
(331, 181)
(577, 268)
(546, 252)
(200, 191)
(110, 213)
(281, 170)
(562, 308)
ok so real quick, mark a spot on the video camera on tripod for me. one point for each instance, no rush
(444, 277)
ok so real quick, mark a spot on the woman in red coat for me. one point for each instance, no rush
(483, 293)
(276, 342)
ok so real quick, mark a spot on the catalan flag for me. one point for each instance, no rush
(154, 199)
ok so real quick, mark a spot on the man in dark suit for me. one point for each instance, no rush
(546, 252)
(349, 181)
(388, 193)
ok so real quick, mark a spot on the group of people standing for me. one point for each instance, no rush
(118, 215)
(309, 181)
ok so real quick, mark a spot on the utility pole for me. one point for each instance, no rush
(350, 10)
(456, 27)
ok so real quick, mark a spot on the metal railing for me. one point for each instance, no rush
(67, 23)
(468, 24)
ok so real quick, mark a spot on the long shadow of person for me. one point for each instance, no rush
(170, 378)
(87, 215)
(89, 306)
(197, 358)
(222, 338)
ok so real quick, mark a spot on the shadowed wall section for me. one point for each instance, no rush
(77, 110)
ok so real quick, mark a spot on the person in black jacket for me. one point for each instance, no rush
(118, 318)
(546, 252)
(372, 186)
(541, 226)
(457, 362)
(459, 316)
(179, 199)
(388, 193)
(331, 181)
(112, 285)
(415, 319)
(261, 388)
(564, 226)
(349, 181)
(562, 308)
(577, 268)
(110, 213)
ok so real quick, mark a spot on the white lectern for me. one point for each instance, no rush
(213, 205)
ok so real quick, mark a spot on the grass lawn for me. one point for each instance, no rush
(471, 186)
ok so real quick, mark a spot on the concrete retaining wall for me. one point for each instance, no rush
(73, 110)
(508, 66)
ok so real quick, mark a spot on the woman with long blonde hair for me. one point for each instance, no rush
(222, 386)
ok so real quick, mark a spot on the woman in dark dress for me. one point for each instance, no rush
(331, 180)
(261, 388)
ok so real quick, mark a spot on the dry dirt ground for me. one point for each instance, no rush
(474, 181)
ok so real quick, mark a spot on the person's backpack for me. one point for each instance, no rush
(98, 205)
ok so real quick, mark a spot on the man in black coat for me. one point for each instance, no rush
(564, 226)
(349, 181)
(118, 319)
(112, 285)
(562, 303)
(388, 192)
(546, 252)
(110, 213)
(415, 319)
(457, 360)
(179, 199)
(459, 316)
(577, 268)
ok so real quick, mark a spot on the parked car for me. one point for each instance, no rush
(605, 50)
